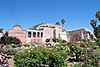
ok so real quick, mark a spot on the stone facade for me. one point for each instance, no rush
(18, 32)
(53, 31)
(35, 37)
(77, 35)
(1, 34)
(38, 36)
(49, 31)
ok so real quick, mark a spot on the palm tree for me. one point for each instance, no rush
(98, 15)
(62, 21)
(93, 23)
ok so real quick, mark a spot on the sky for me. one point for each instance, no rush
(77, 13)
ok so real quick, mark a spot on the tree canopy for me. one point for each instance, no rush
(9, 40)
(94, 25)
(35, 26)
(57, 23)
(1, 30)
(98, 15)
(62, 21)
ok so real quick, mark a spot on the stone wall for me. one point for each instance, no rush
(77, 35)
(18, 32)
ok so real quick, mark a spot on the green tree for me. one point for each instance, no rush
(9, 40)
(34, 27)
(94, 25)
(1, 30)
(98, 41)
(62, 21)
(98, 15)
(57, 23)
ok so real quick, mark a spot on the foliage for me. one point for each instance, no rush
(19, 45)
(63, 41)
(75, 51)
(1, 30)
(34, 27)
(77, 65)
(9, 40)
(94, 25)
(98, 15)
(47, 40)
(26, 45)
(57, 23)
(54, 40)
(87, 58)
(97, 51)
(39, 57)
(98, 41)
(12, 52)
(13, 45)
(61, 48)
(5, 49)
(58, 40)
(3, 60)
(91, 60)
(62, 21)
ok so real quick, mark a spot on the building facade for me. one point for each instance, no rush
(35, 37)
(39, 35)
(18, 32)
(80, 34)
(49, 31)
(1, 34)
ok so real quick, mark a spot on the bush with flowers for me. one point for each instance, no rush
(3, 60)
(41, 56)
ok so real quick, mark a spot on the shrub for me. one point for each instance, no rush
(47, 40)
(58, 40)
(40, 56)
(54, 40)
(64, 41)
(98, 41)
(75, 51)
(13, 45)
(10, 40)
(92, 60)
(12, 52)
(26, 45)
(19, 45)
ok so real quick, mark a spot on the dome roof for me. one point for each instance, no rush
(17, 27)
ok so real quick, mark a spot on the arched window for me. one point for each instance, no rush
(29, 34)
(38, 33)
(41, 34)
(34, 34)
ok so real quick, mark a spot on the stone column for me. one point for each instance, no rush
(82, 35)
(36, 34)
(88, 35)
(40, 34)
(31, 34)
